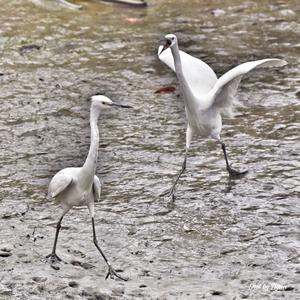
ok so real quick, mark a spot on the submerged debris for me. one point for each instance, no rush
(136, 3)
(61, 3)
(28, 48)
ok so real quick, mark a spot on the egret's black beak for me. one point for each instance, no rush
(121, 105)
(166, 44)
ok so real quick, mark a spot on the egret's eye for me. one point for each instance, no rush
(169, 42)
(172, 39)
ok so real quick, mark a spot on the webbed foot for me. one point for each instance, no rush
(235, 174)
(169, 193)
(53, 258)
(112, 273)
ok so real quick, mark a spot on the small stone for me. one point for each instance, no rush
(6, 248)
(218, 12)
(5, 254)
(28, 48)
(85, 266)
(73, 284)
(55, 267)
(187, 228)
(119, 270)
(142, 286)
(39, 279)
(217, 293)
(7, 215)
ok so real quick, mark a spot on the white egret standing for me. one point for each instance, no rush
(205, 96)
(80, 186)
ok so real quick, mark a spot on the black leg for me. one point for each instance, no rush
(172, 189)
(232, 172)
(111, 272)
(53, 257)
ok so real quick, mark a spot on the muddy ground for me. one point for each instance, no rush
(222, 238)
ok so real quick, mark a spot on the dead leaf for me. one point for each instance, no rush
(166, 89)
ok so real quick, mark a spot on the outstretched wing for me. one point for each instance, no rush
(199, 75)
(59, 183)
(96, 188)
(224, 91)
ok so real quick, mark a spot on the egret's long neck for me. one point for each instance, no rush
(188, 96)
(88, 170)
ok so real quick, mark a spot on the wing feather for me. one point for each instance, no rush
(223, 93)
(96, 188)
(58, 184)
(199, 75)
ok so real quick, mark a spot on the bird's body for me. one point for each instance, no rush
(205, 123)
(206, 97)
(74, 194)
(80, 186)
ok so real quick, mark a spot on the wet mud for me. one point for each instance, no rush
(222, 238)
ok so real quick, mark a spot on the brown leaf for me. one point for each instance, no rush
(166, 89)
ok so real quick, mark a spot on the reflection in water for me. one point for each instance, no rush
(231, 183)
(214, 239)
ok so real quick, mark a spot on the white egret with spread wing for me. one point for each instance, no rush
(206, 97)
(80, 186)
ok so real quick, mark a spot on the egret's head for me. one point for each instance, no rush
(101, 102)
(168, 42)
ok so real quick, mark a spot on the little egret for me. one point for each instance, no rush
(80, 186)
(205, 96)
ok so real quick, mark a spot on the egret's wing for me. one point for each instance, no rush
(96, 188)
(59, 183)
(224, 91)
(199, 75)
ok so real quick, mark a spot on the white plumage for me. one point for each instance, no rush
(206, 97)
(80, 186)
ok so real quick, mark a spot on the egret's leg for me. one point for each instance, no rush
(183, 168)
(171, 191)
(189, 135)
(111, 272)
(232, 172)
(52, 256)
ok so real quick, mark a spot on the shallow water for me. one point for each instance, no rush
(221, 239)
